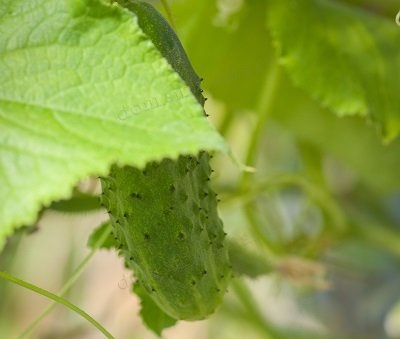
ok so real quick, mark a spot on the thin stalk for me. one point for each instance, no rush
(255, 228)
(380, 235)
(263, 110)
(252, 309)
(57, 299)
(316, 194)
(71, 281)
(226, 122)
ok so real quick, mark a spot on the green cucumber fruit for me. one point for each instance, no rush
(165, 217)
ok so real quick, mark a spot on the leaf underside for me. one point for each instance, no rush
(82, 88)
(346, 58)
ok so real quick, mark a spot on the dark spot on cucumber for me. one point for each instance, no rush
(136, 195)
(172, 188)
(146, 236)
(181, 236)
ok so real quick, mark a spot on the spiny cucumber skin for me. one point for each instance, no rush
(165, 218)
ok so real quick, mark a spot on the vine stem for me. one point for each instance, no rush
(57, 299)
(254, 313)
(263, 110)
(317, 194)
(71, 281)
(226, 122)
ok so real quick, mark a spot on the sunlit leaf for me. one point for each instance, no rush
(345, 57)
(81, 88)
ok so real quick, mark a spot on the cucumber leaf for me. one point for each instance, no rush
(82, 88)
(153, 317)
(101, 238)
(346, 58)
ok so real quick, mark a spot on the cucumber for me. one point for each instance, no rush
(165, 220)
(165, 216)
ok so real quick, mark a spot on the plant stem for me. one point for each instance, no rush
(380, 235)
(226, 122)
(71, 281)
(253, 312)
(57, 299)
(263, 110)
(316, 194)
(258, 234)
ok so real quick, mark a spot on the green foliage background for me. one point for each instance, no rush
(303, 91)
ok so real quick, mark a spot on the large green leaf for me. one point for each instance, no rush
(81, 88)
(345, 57)
(347, 139)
